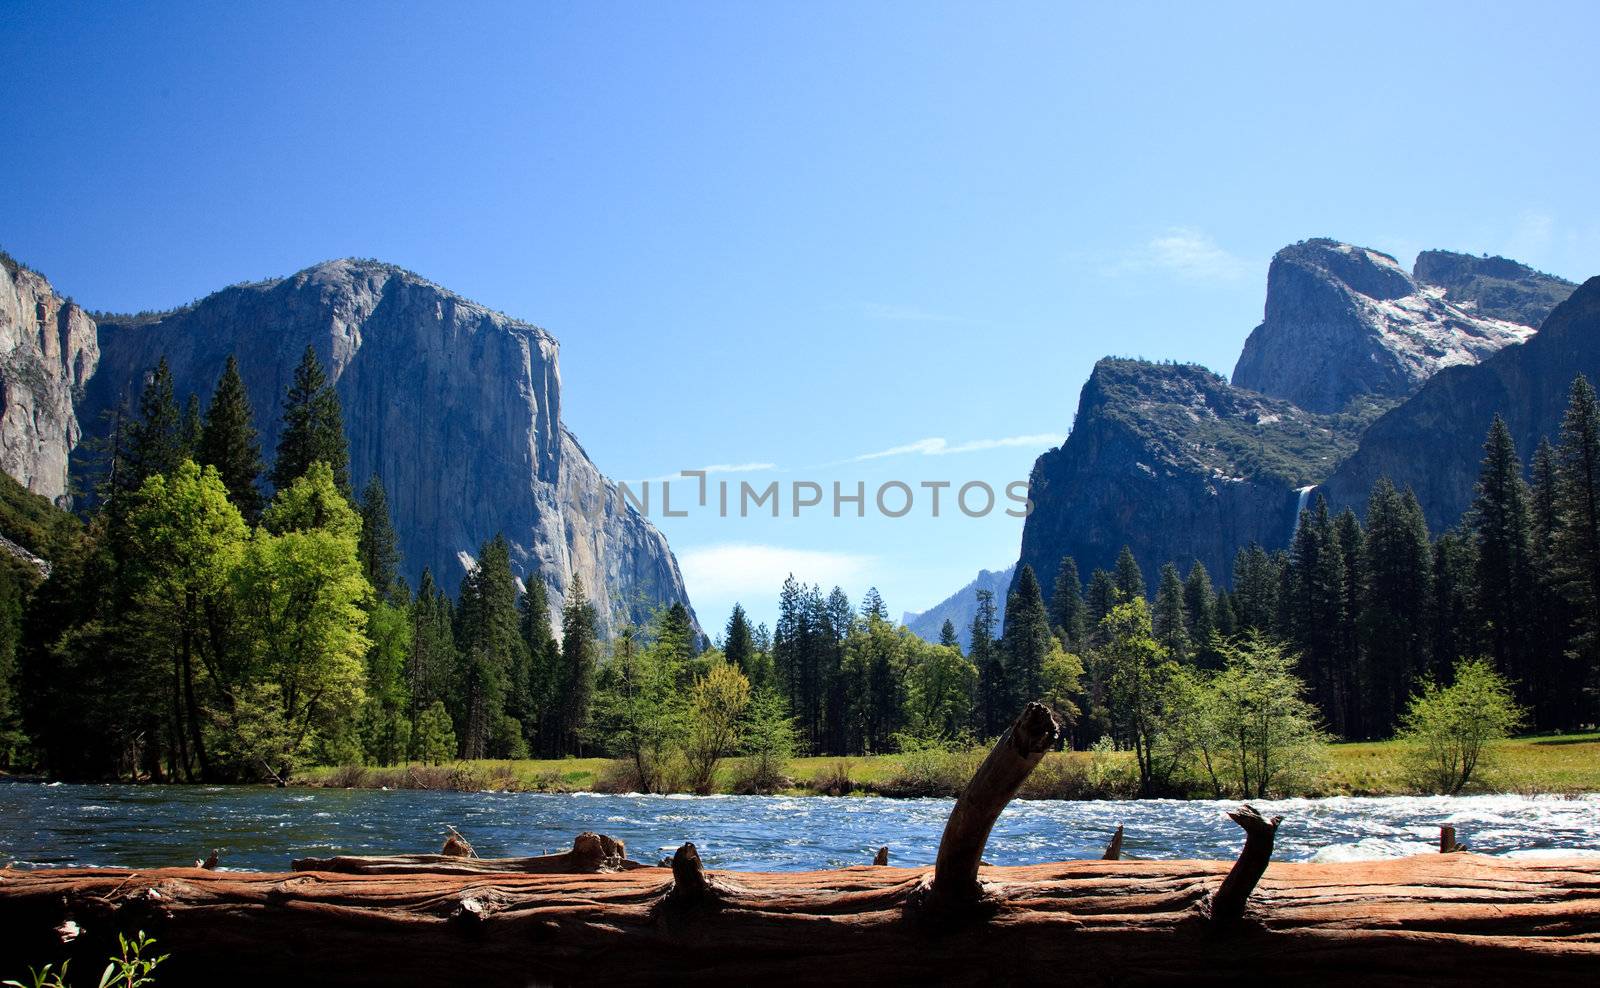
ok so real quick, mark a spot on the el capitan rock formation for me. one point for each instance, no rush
(455, 406)
(48, 350)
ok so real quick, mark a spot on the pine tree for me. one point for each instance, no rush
(1026, 643)
(155, 438)
(1067, 612)
(1560, 679)
(1502, 525)
(738, 644)
(1351, 542)
(948, 637)
(228, 442)
(1098, 601)
(1200, 607)
(579, 654)
(431, 666)
(1255, 589)
(1130, 580)
(379, 546)
(190, 428)
(545, 679)
(872, 605)
(488, 639)
(1453, 631)
(1394, 607)
(313, 428)
(1578, 541)
(985, 655)
(1312, 606)
(1168, 619)
(1226, 623)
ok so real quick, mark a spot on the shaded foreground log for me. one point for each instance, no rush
(590, 853)
(1434, 919)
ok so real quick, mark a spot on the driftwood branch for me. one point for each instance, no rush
(881, 859)
(966, 833)
(1114, 848)
(590, 854)
(1447, 840)
(1227, 906)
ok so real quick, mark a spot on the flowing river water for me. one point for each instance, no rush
(261, 828)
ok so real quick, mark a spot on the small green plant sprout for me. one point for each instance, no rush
(45, 977)
(132, 969)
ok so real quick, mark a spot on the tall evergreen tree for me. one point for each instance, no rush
(1027, 641)
(1130, 580)
(579, 656)
(1200, 607)
(738, 644)
(1255, 589)
(872, 605)
(1503, 526)
(1168, 618)
(948, 637)
(1100, 598)
(1559, 682)
(228, 442)
(431, 664)
(1453, 631)
(1068, 615)
(379, 546)
(155, 439)
(1350, 540)
(313, 428)
(1394, 607)
(985, 655)
(488, 638)
(1312, 605)
(190, 428)
(1578, 539)
(545, 679)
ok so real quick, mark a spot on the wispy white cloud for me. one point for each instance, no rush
(716, 468)
(1184, 252)
(939, 446)
(752, 571)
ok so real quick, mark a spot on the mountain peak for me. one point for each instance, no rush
(1343, 322)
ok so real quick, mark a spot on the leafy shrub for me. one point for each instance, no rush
(1450, 733)
(836, 780)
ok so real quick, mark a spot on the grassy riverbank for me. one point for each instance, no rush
(1560, 764)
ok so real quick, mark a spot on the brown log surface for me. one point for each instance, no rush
(1434, 919)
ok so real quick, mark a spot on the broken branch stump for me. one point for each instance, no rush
(1227, 906)
(966, 833)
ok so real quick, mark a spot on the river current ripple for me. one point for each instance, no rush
(261, 828)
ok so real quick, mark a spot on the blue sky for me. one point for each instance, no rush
(796, 235)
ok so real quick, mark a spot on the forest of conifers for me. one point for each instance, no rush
(191, 628)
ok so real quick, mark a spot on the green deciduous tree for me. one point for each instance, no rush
(717, 704)
(303, 596)
(1450, 733)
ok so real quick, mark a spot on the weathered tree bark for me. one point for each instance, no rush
(590, 854)
(966, 833)
(1427, 920)
(1227, 906)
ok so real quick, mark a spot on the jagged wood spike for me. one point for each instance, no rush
(966, 833)
(1114, 848)
(1228, 905)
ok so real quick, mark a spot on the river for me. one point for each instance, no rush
(262, 828)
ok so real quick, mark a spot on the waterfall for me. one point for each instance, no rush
(1299, 508)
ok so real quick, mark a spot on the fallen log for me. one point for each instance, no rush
(1434, 919)
(591, 916)
(590, 854)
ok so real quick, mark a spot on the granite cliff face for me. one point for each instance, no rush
(1345, 322)
(1496, 287)
(456, 407)
(1176, 463)
(962, 606)
(48, 350)
(1433, 442)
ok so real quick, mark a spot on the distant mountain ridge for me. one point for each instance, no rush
(1182, 465)
(961, 607)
